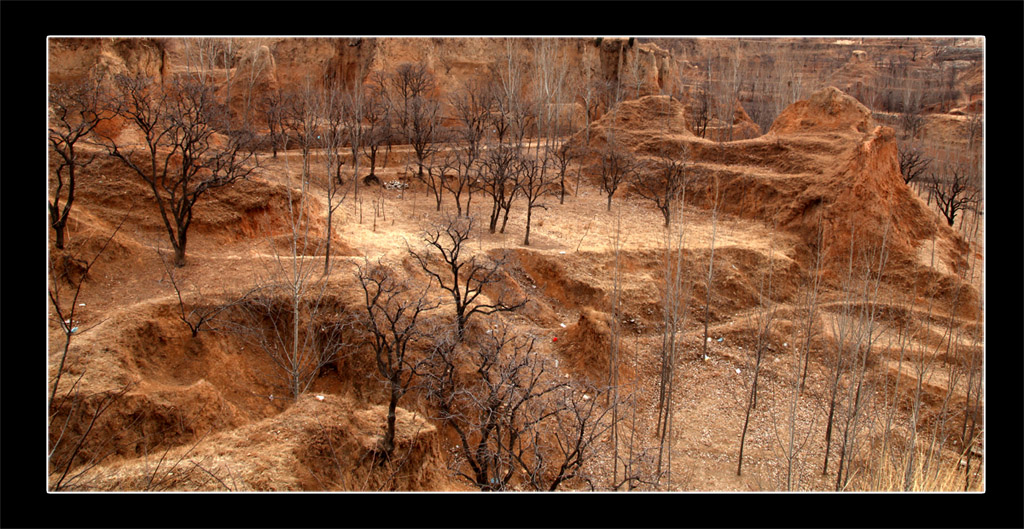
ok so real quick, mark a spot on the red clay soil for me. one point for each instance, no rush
(205, 413)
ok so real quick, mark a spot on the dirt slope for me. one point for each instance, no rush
(823, 160)
(197, 413)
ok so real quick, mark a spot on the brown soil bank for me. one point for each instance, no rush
(824, 162)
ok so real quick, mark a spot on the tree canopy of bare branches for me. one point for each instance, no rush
(663, 185)
(185, 152)
(518, 425)
(75, 111)
(393, 320)
(617, 166)
(954, 188)
(463, 278)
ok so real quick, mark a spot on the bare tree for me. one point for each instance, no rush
(763, 319)
(675, 310)
(701, 110)
(272, 106)
(709, 277)
(472, 107)
(664, 185)
(329, 117)
(724, 74)
(514, 108)
(593, 93)
(617, 166)
(465, 178)
(635, 70)
(518, 426)
(912, 161)
(812, 289)
(837, 358)
(613, 357)
(377, 122)
(255, 61)
(293, 319)
(854, 333)
(76, 109)
(440, 169)
(426, 134)
(355, 104)
(301, 119)
(297, 327)
(866, 332)
(497, 180)
(73, 448)
(392, 318)
(179, 157)
(415, 111)
(789, 393)
(954, 189)
(201, 314)
(534, 184)
(463, 278)
(563, 156)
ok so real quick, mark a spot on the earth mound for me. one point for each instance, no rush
(827, 110)
(322, 441)
(823, 162)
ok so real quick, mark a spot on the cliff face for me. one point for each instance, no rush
(270, 63)
(71, 58)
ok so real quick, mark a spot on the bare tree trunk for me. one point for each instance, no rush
(708, 282)
(613, 356)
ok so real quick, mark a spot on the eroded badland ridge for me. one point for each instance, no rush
(562, 264)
